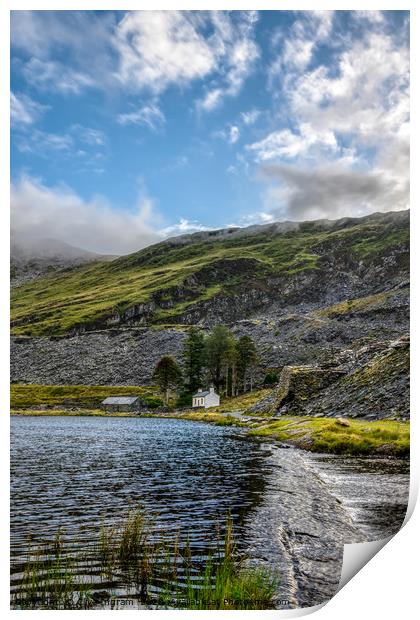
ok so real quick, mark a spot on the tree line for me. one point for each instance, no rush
(219, 358)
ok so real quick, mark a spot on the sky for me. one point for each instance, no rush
(131, 127)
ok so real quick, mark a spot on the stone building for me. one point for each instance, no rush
(206, 399)
(122, 403)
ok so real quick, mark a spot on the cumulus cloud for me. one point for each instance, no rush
(158, 48)
(348, 151)
(39, 212)
(236, 53)
(285, 143)
(149, 115)
(331, 192)
(298, 47)
(143, 51)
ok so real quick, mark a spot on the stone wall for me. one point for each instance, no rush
(297, 384)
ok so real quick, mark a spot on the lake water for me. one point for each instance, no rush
(291, 511)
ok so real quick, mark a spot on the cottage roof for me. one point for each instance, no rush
(120, 400)
(201, 394)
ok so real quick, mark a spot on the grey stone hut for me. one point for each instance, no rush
(122, 403)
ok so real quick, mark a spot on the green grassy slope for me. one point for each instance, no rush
(338, 437)
(31, 395)
(177, 276)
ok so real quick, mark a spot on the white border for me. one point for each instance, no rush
(386, 586)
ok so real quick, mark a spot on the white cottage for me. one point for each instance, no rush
(206, 399)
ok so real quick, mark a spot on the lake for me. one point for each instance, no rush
(292, 511)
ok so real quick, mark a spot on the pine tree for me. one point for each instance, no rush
(167, 375)
(193, 355)
(218, 346)
(246, 360)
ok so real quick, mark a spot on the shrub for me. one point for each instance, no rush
(271, 378)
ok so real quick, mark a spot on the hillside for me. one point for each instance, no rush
(32, 259)
(227, 276)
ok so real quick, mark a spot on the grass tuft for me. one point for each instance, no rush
(331, 435)
(156, 570)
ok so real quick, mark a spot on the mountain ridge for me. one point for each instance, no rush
(221, 276)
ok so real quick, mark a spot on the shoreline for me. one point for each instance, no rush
(343, 436)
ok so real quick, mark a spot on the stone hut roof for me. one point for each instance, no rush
(201, 394)
(120, 400)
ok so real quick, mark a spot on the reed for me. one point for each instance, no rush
(155, 569)
(49, 579)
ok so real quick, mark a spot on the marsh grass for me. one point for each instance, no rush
(49, 579)
(25, 396)
(357, 437)
(152, 567)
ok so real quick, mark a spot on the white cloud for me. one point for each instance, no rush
(81, 148)
(92, 137)
(369, 96)
(24, 110)
(285, 143)
(375, 17)
(84, 38)
(260, 217)
(149, 115)
(54, 76)
(236, 53)
(350, 148)
(183, 227)
(234, 134)
(211, 100)
(42, 143)
(306, 33)
(250, 117)
(159, 48)
(143, 51)
(332, 191)
(39, 212)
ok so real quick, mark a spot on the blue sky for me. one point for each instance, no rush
(128, 127)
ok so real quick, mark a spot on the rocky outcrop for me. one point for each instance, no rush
(376, 389)
(297, 385)
(347, 335)
(112, 357)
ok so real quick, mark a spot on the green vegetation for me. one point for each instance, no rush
(381, 370)
(167, 375)
(340, 436)
(271, 378)
(219, 358)
(241, 402)
(49, 580)
(193, 356)
(375, 244)
(206, 416)
(360, 304)
(160, 571)
(26, 396)
(171, 277)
